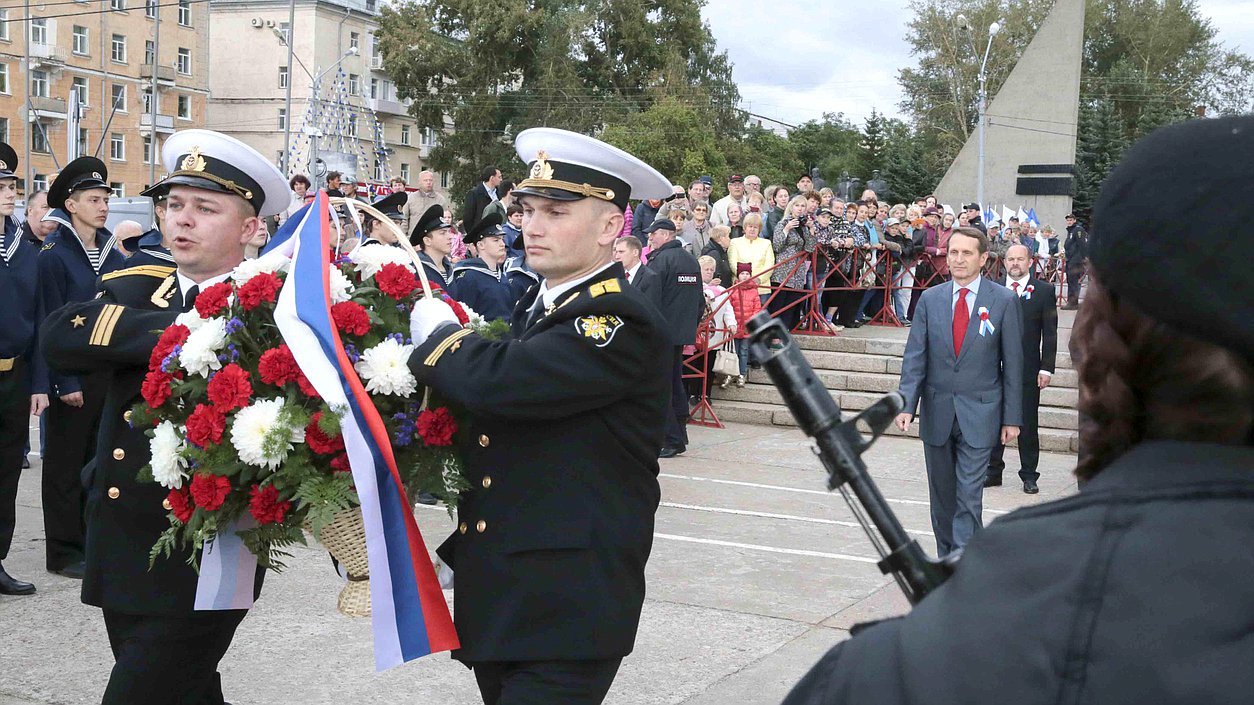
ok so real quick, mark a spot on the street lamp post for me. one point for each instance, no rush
(315, 80)
(993, 29)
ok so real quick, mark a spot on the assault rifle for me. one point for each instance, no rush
(840, 446)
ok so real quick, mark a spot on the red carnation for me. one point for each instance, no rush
(277, 366)
(458, 311)
(210, 491)
(319, 442)
(395, 281)
(262, 288)
(230, 388)
(351, 317)
(340, 464)
(172, 336)
(181, 504)
(264, 505)
(437, 427)
(156, 388)
(212, 301)
(306, 386)
(205, 425)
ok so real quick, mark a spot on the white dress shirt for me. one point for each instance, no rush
(185, 283)
(631, 273)
(973, 290)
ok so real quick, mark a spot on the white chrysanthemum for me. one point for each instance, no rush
(200, 352)
(191, 319)
(473, 319)
(168, 464)
(260, 435)
(369, 259)
(249, 268)
(341, 287)
(385, 367)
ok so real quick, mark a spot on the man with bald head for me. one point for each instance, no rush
(1039, 302)
(421, 198)
(127, 234)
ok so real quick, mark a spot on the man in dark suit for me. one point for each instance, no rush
(479, 197)
(166, 651)
(964, 363)
(627, 252)
(553, 535)
(678, 297)
(1039, 304)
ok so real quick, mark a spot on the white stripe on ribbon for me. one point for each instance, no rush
(228, 570)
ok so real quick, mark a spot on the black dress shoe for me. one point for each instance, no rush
(427, 498)
(73, 570)
(25, 463)
(10, 585)
(1029, 487)
(991, 481)
(671, 451)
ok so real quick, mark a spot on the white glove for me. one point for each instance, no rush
(428, 315)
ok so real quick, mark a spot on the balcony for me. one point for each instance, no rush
(49, 108)
(46, 55)
(390, 107)
(165, 74)
(165, 124)
(376, 63)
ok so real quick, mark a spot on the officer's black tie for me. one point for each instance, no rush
(189, 299)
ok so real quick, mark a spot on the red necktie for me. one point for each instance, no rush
(1015, 287)
(961, 318)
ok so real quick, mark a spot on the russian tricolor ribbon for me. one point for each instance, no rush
(986, 326)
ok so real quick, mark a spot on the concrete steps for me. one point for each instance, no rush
(859, 370)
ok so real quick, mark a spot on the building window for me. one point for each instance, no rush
(185, 13)
(443, 179)
(405, 134)
(185, 107)
(184, 61)
(79, 86)
(118, 52)
(285, 29)
(83, 141)
(374, 88)
(117, 97)
(145, 99)
(4, 129)
(150, 52)
(354, 84)
(147, 141)
(39, 84)
(4, 25)
(117, 147)
(405, 172)
(4, 79)
(39, 183)
(428, 137)
(370, 5)
(150, 9)
(39, 139)
(378, 170)
(80, 40)
(118, 188)
(283, 77)
(352, 125)
(354, 41)
(39, 31)
(117, 5)
(282, 118)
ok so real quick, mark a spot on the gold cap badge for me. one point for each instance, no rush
(3, 165)
(193, 161)
(541, 169)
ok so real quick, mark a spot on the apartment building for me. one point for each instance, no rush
(113, 56)
(344, 111)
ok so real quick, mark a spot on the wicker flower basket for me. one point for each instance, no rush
(345, 539)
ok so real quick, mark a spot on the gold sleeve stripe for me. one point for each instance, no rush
(151, 270)
(445, 345)
(102, 332)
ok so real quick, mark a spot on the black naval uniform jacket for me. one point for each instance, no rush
(116, 333)
(17, 292)
(151, 251)
(1136, 590)
(549, 553)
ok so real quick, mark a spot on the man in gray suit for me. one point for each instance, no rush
(964, 360)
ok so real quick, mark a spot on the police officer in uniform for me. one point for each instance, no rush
(17, 343)
(72, 258)
(677, 294)
(1136, 590)
(480, 282)
(434, 243)
(549, 553)
(219, 189)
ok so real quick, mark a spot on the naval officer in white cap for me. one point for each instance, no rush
(166, 652)
(549, 552)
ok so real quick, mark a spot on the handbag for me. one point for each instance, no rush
(726, 362)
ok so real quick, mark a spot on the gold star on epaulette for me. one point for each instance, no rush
(78, 321)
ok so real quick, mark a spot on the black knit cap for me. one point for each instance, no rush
(1171, 224)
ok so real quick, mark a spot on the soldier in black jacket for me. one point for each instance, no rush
(1039, 305)
(549, 553)
(166, 652)
(681, 302)
(1077, 250)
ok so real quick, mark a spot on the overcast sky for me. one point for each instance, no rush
(793, 62)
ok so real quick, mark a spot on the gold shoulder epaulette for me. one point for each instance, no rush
(149, 270)
(609, 286)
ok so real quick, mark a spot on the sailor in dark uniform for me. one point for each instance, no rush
(378, 233)
(549, 554)
(434, 243)
(521, 277)
(151, 247)
(480, 283)
(17, 343)
(72, 258)
(166, 652)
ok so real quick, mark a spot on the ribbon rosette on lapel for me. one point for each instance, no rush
(986, 326)
(1027, 293)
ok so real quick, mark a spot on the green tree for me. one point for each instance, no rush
(1100, 145)
(871, 150)
(831, 144)
(768, 154)
(674, 138)
(491, 69)
(909, 171)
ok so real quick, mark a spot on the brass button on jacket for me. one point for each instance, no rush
(487, 481)
(126, 416)
(462, 528)
(482, 526)
(118, 454)
(114, 493)
(484, 440)
(165, 504)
